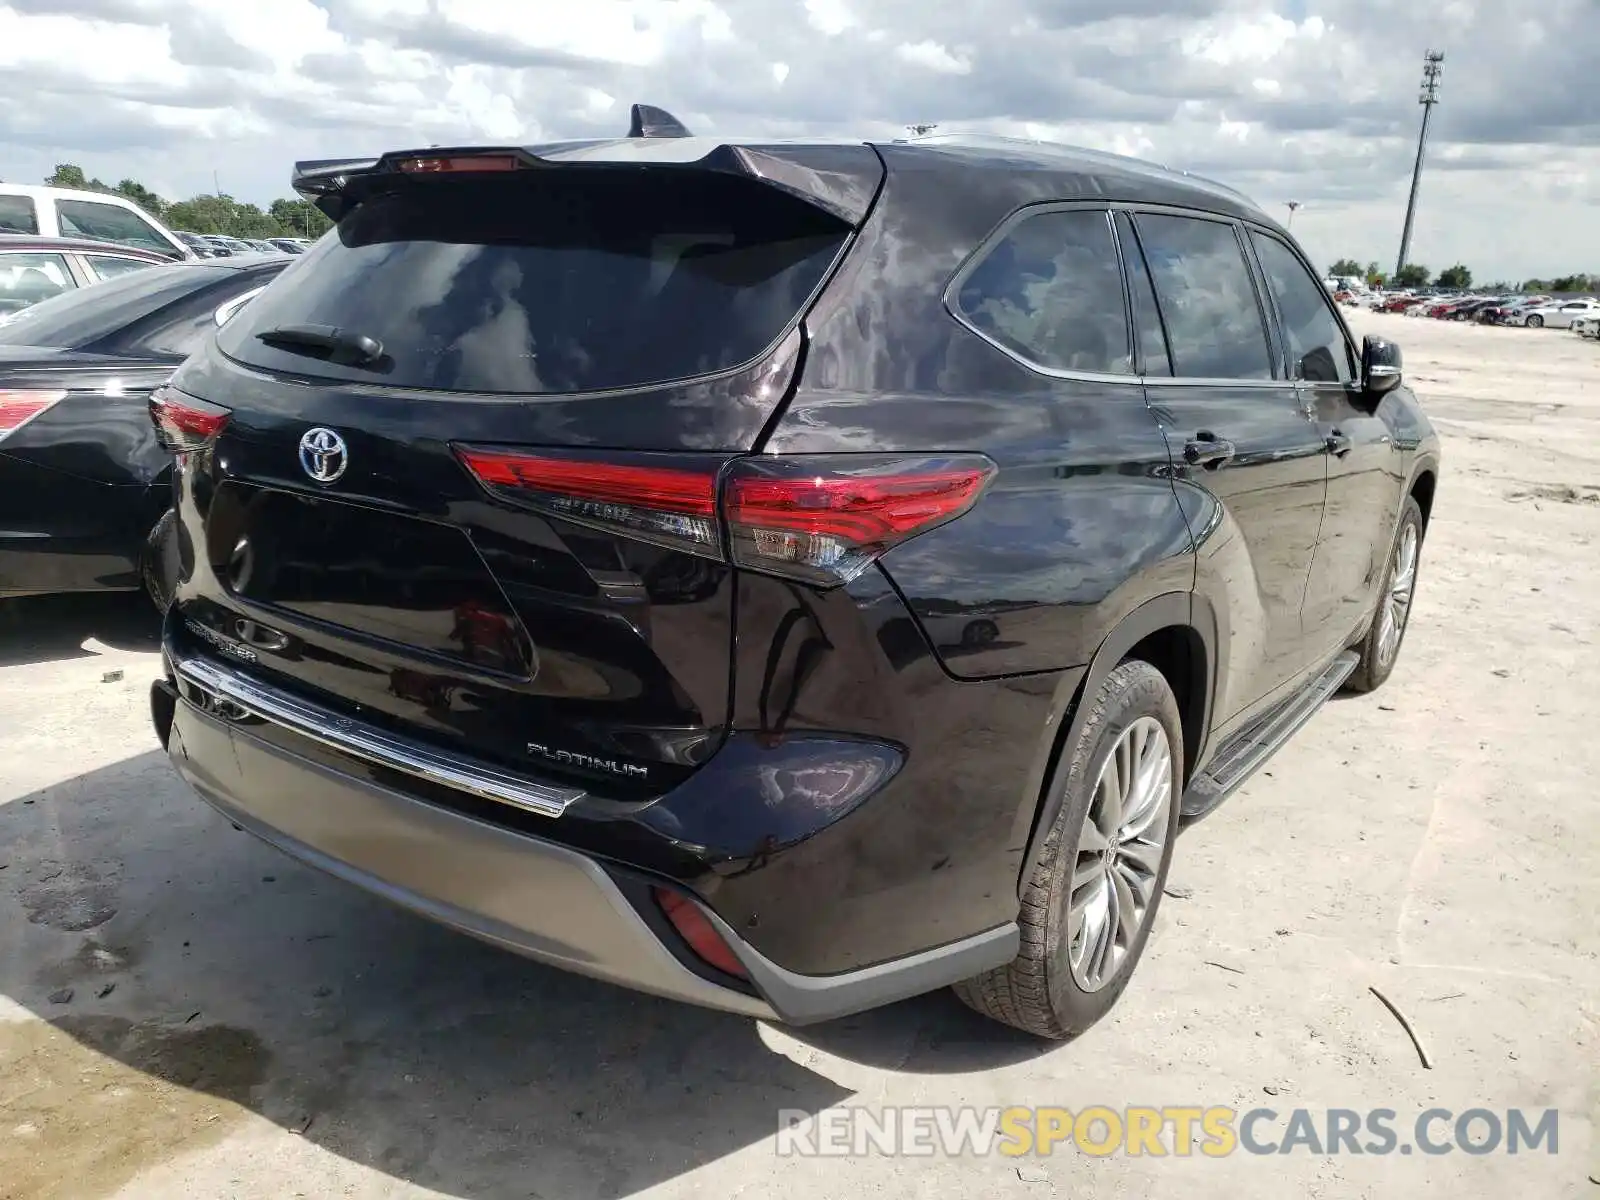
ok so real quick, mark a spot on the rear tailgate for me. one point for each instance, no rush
(602, 328)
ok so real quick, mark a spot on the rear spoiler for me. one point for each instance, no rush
(841, 179)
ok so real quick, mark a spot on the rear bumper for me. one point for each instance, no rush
(546, 901)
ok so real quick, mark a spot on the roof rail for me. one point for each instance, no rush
(648, 121)
(1002, 141)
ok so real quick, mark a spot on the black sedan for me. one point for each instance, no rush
(83, 478)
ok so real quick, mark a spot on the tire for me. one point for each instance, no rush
(1534, 321)
(1377, 658)
(1041, 991)
(155, 564)
(980, 633)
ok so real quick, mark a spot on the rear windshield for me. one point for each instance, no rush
(85, 315)
(553, 280)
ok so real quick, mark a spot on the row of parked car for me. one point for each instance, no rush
(1532, 312)
(217, 245)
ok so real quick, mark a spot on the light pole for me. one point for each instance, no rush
(1291, 205)
(1432, 68)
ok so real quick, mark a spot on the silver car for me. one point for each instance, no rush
(1558, 314)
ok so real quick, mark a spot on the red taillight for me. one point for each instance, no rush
(458, 162)
(17, 408)
(671, 505)
(826, 519)
(184, 423)
(696, 929)
(820, 518)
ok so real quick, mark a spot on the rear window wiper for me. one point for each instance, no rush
(325, 341)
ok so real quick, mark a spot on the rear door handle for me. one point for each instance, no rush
(1338, 443)
(1207, 450)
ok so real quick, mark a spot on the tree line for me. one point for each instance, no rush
(1459, 277)
(207, 213)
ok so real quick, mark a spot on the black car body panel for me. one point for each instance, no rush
(849, 778)
(83, 482)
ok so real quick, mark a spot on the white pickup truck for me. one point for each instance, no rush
(65, 212)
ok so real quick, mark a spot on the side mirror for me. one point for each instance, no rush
(1380, 366)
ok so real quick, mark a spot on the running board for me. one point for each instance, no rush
(1247, 751)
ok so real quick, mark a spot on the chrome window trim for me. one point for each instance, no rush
(231, 694)
(1110, 208)
(981, 253)
(225, 312)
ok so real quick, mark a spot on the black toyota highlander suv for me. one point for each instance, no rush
(786, 577)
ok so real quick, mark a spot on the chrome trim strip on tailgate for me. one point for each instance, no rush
(365, 742)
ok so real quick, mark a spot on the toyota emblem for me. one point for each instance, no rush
(323, 455)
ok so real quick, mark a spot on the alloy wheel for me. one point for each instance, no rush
(1397, 604)
(1119, 853)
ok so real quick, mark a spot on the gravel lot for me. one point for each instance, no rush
(184, 1012)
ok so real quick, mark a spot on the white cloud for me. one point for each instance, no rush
(831, 17)
(1319, 107)
(1257, 39)
(933, 56)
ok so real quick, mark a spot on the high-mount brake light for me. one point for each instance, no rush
(18, 407)
(667, 504)
(823, 519)
(453, 163)
(184, 423)
(826, 518)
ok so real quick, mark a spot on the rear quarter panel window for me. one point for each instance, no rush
(1050, 292)
(1207, 296)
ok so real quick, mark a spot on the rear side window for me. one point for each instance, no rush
(1208, 298)
(109, 266)
(28, 277)
(17, 215)
(86, 315)
(1146, 315)
(1050, 292)
(1318, 349)
(552, 281)
(108, 223)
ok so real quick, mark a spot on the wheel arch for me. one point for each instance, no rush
(1424, 479)
(1179, 631)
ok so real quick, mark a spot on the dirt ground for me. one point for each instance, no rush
(184, 1012)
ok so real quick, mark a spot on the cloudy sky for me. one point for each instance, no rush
(1307, 100)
